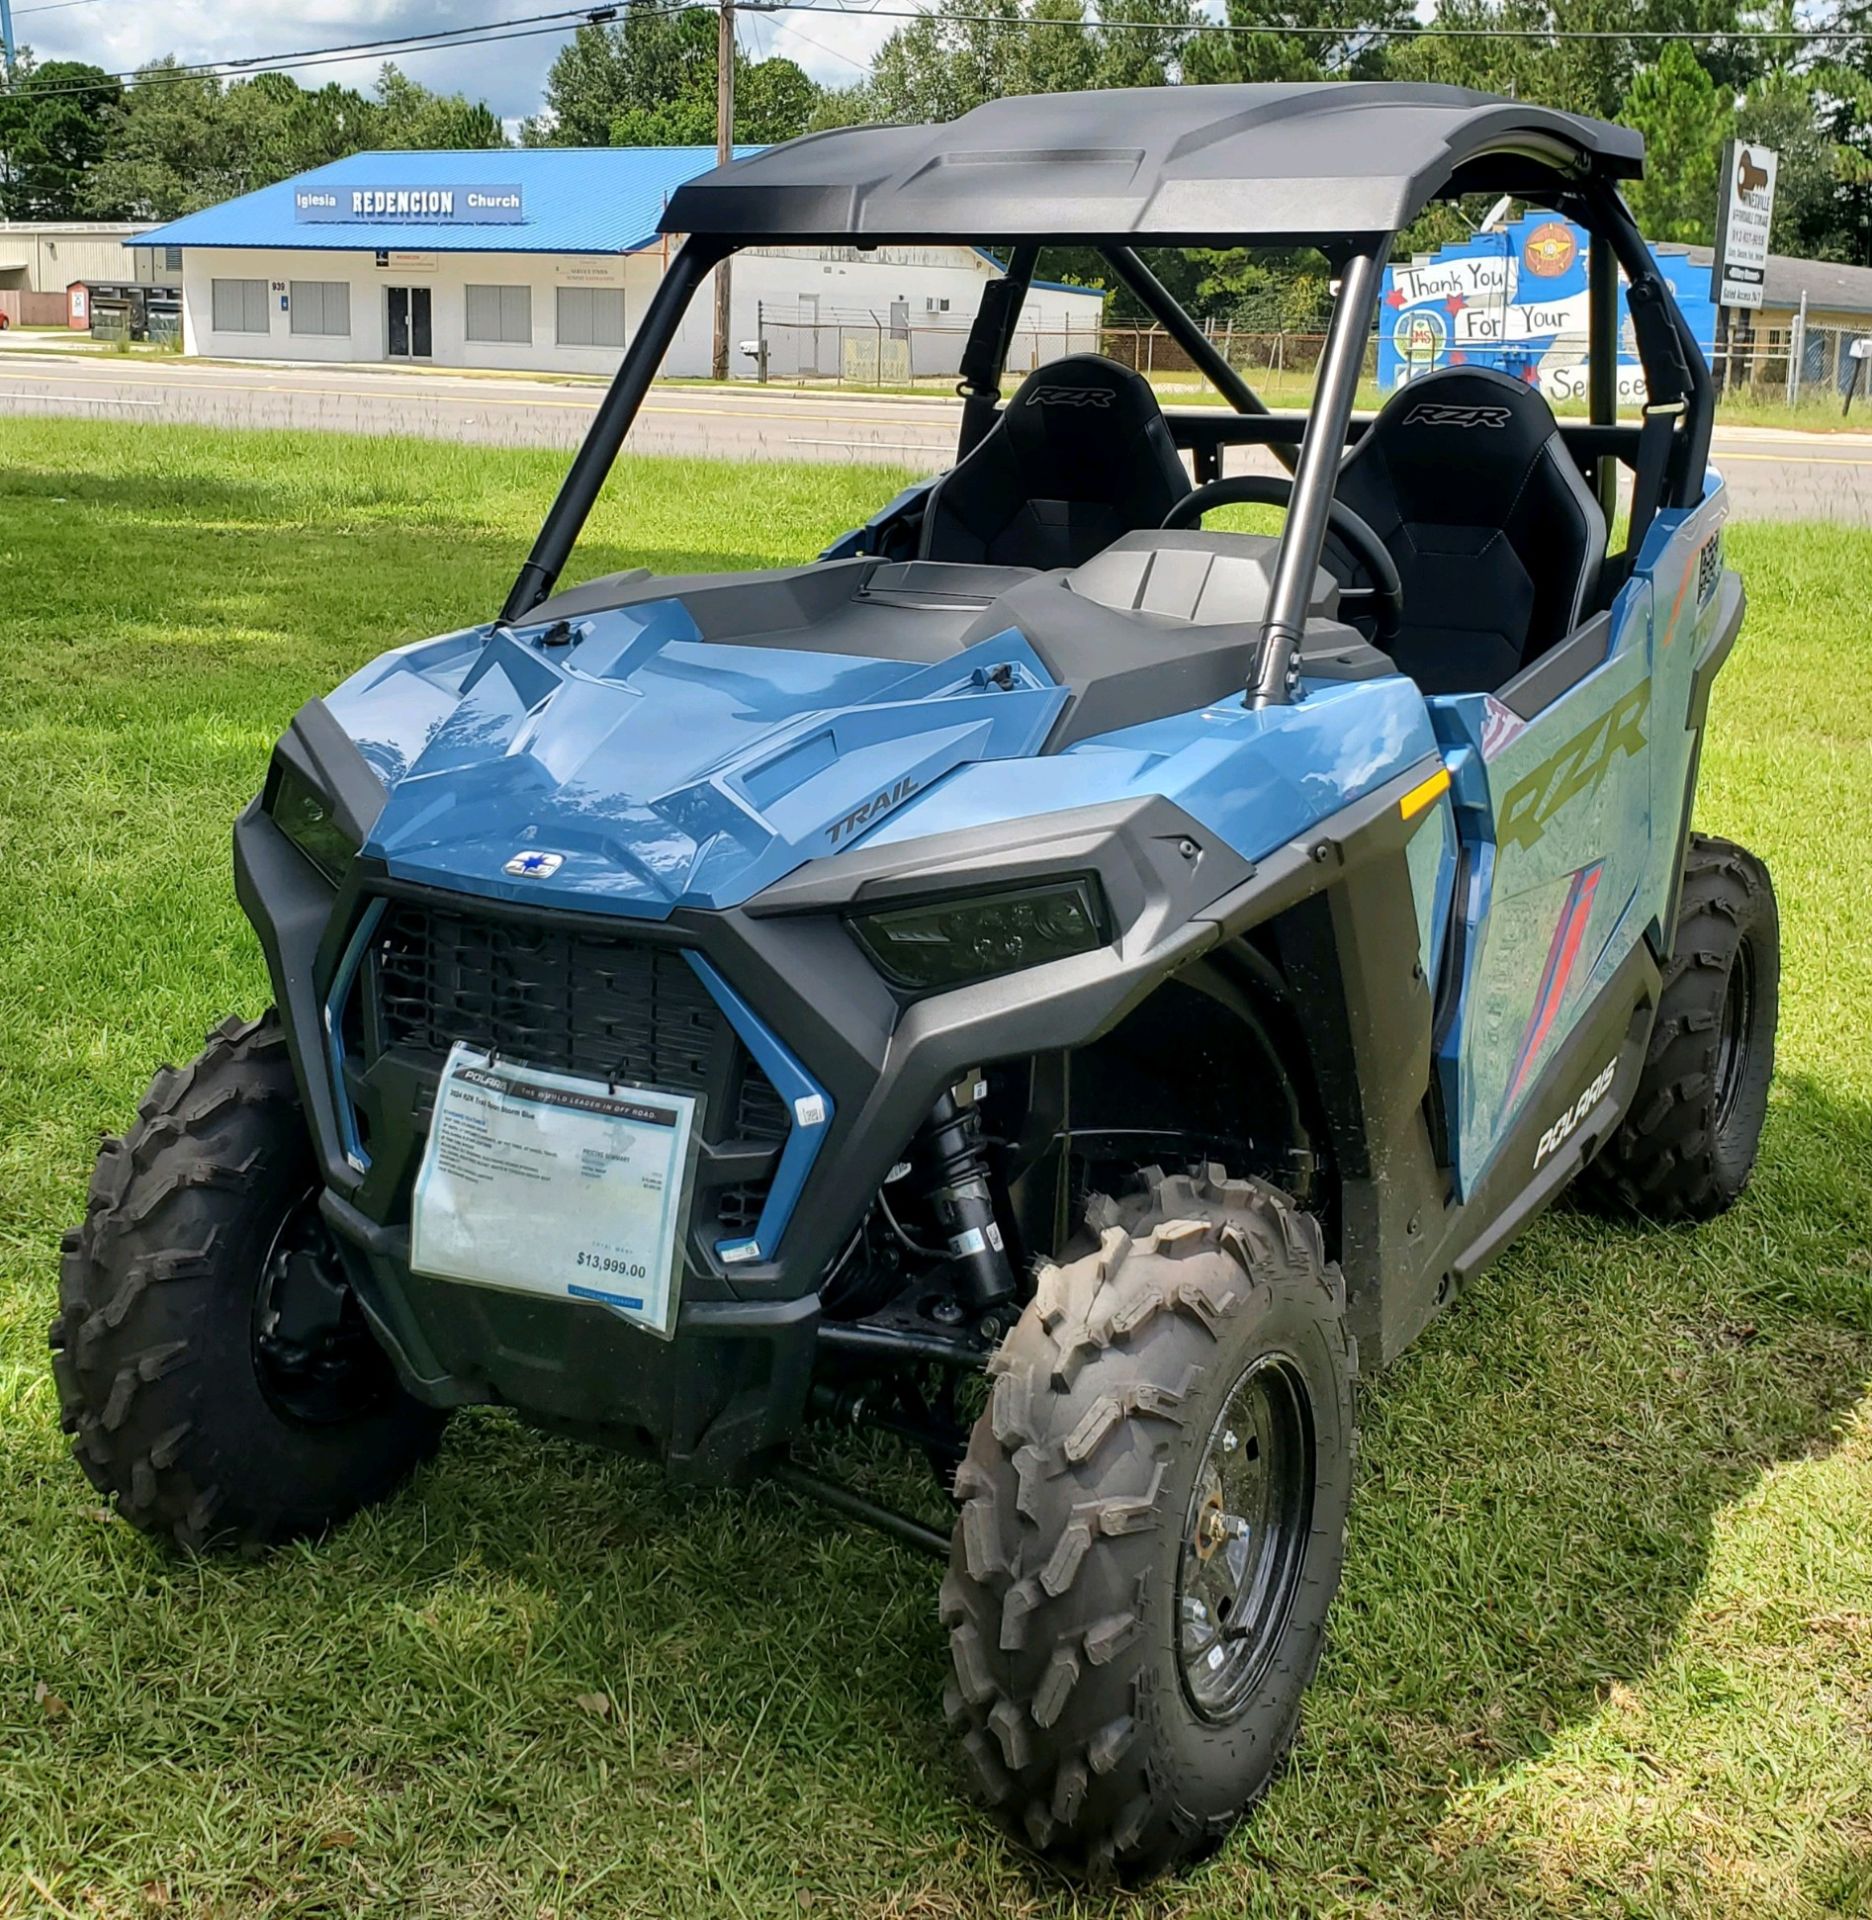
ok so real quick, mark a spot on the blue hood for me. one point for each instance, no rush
(661, 769)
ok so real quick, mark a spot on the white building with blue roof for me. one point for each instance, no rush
(544, 259)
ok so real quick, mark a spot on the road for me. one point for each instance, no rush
(1773, 473)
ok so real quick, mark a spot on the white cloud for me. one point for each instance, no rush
(507, 74)
(835, 43)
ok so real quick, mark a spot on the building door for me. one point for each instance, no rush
(808, 332)
(407, 335)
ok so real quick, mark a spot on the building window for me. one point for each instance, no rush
(172, 259)
(503, 315)
(322, 306)
(591, 316)
(239, 306)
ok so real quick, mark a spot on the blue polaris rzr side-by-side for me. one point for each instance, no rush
(1155, 968)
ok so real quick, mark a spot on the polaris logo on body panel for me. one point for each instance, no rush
(1432, 415)
(1071, 397)
(873, 809)
(1563, 1129)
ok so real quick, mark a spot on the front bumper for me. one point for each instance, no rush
(734, 1381)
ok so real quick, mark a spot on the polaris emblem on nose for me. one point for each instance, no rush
(1070, 397)
(1431, 414)
(535, 866)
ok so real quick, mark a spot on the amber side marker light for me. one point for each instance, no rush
(1423, 793)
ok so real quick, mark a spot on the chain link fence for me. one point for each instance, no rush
(1791, 363)
(1796, 363)
(894, 347)
(1152, 351)
(866, 347)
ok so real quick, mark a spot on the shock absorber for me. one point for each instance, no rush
(960, 1197)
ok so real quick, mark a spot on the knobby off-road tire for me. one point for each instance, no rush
(1688, 1142)
(161, 1380)
(1063, 1594)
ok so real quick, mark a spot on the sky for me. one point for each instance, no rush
(118, 35)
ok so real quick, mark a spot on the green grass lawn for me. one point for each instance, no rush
(1605, 1641)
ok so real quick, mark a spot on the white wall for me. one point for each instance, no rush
(45, 257)
(802, 299)
(771, 283)
(446, 275)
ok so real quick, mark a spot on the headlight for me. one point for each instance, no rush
(942, 943)
(308, 820)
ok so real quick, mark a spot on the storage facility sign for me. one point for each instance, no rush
(410, 206)
(1515, 299)
(1744, 213)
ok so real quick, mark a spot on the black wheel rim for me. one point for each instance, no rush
(1732, 1038)
(1244, 1537)
(314, 1357)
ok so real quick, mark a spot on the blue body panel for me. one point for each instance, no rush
(1254, 776)
(1572, 822)
(809, 1109)
(664, 770)
(671, 771)
(668, 771)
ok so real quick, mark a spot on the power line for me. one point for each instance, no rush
(441, 40)
(1414, 30)
(800, 33)
(527, 26)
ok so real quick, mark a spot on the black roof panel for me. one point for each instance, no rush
(1189, 165)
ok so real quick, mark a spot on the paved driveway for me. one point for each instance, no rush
(1774, 474)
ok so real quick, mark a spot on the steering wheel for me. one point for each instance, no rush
(1382, 602)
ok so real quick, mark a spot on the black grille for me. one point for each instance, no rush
(578, 1000)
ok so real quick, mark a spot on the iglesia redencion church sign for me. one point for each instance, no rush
(441, 206)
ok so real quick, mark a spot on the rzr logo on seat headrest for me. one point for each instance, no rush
(1070, 397)
(1432, 415)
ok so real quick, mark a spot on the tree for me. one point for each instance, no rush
(410, 115)
(1685, 121)
(1299, 40)
(166, 153)
(947, 61)
(648, 79)
(177, 141)
(774, 99)
(54, 125)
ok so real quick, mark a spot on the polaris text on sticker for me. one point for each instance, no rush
(1432, 415)
(1562, 1129)
(873, 809)
(1070, 397)
(1577, 768)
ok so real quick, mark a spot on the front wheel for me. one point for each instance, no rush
(213, 1368)
(1152, 1527)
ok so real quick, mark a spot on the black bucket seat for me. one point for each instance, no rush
(1498, 539)
(1080, 454)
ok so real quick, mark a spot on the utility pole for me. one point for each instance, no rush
(6, 34)
(724, 152)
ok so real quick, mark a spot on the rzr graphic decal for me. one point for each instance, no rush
(1562, 954)
(1070, 397)
(1576, 768)
(1432, 415)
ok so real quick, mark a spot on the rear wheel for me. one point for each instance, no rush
(1688, 1142)
(213, 1367)
(1152, 1527)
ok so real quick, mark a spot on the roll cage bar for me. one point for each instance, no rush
(1668, 452)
